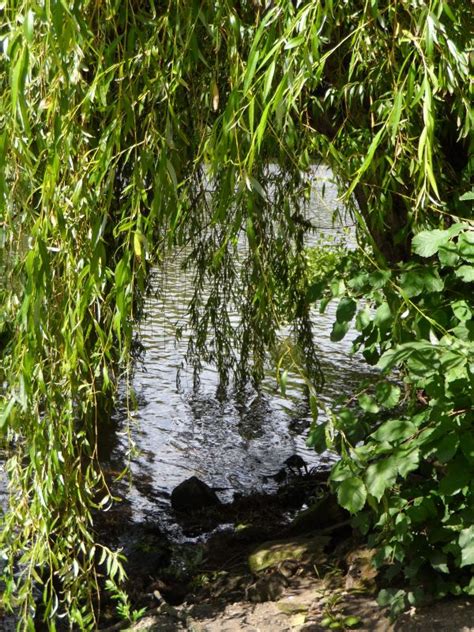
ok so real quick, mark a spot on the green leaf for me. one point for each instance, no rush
(447, 447)
(428, 242)
(137, 243)
(5, 411)
(401, 353)
(257, 187)
(339, 330)
(448, 255)
(395, 599)
(414, 282)
(469, 589)
(367, 403)
(283, 381)
(466, 273)
(268, 80)
(363, 319)
(407, 459)
(18, 77)
(352, 494)
(313, 404)
(466, 542)
(251, 67)
(439, 561)
(340, 471)
(351, 621)
(28, 26)
(346, 309)
(387, 395)
(466, 246)
(379, 278)
(395, 430)
(317, 438)
(368, 159)
(383, 316)
(458, 476)
(380, 476)
(461, 310)
(315, 291)
(467, 446)
(423, 508)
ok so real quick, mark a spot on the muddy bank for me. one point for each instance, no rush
(269, 562)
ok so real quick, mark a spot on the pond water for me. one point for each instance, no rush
(234, 444)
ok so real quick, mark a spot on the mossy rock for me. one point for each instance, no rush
(292, 607)
(274, 552)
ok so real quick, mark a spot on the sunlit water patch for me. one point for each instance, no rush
(238, 443)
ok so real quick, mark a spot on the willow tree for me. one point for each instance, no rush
(129, 128)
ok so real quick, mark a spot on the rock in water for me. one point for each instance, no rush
(296, 462)
(193, 495)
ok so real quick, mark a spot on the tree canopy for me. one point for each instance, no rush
(130, 128)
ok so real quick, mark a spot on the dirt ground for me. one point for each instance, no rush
(313, 594)
(271, 576)
(302, 610)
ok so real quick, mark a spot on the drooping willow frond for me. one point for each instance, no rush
(130, 128)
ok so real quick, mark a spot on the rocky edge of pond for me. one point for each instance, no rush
(265, 562)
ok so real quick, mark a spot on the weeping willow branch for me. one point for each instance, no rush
(127, 130)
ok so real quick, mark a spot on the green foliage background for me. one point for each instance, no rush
(128, 128)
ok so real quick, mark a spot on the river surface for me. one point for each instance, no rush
(233, 444)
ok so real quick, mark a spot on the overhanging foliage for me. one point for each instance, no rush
(127, 129)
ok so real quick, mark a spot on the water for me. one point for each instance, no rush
(235, 444)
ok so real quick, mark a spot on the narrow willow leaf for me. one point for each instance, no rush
(262, 126)
(214, 96)
(18, 77)
(251, 110)
(367, 161)
(256, 186)
(29, 25)
(396, 114)
(5, 412)
(283, 381)
(268, 80)
(251, 67)
(422, 144)
(137, 244)
(296, 41)
(431, 178)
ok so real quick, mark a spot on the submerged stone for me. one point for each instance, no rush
(296, 464)
(193, 495)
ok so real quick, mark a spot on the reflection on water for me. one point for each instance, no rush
(235, 444)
